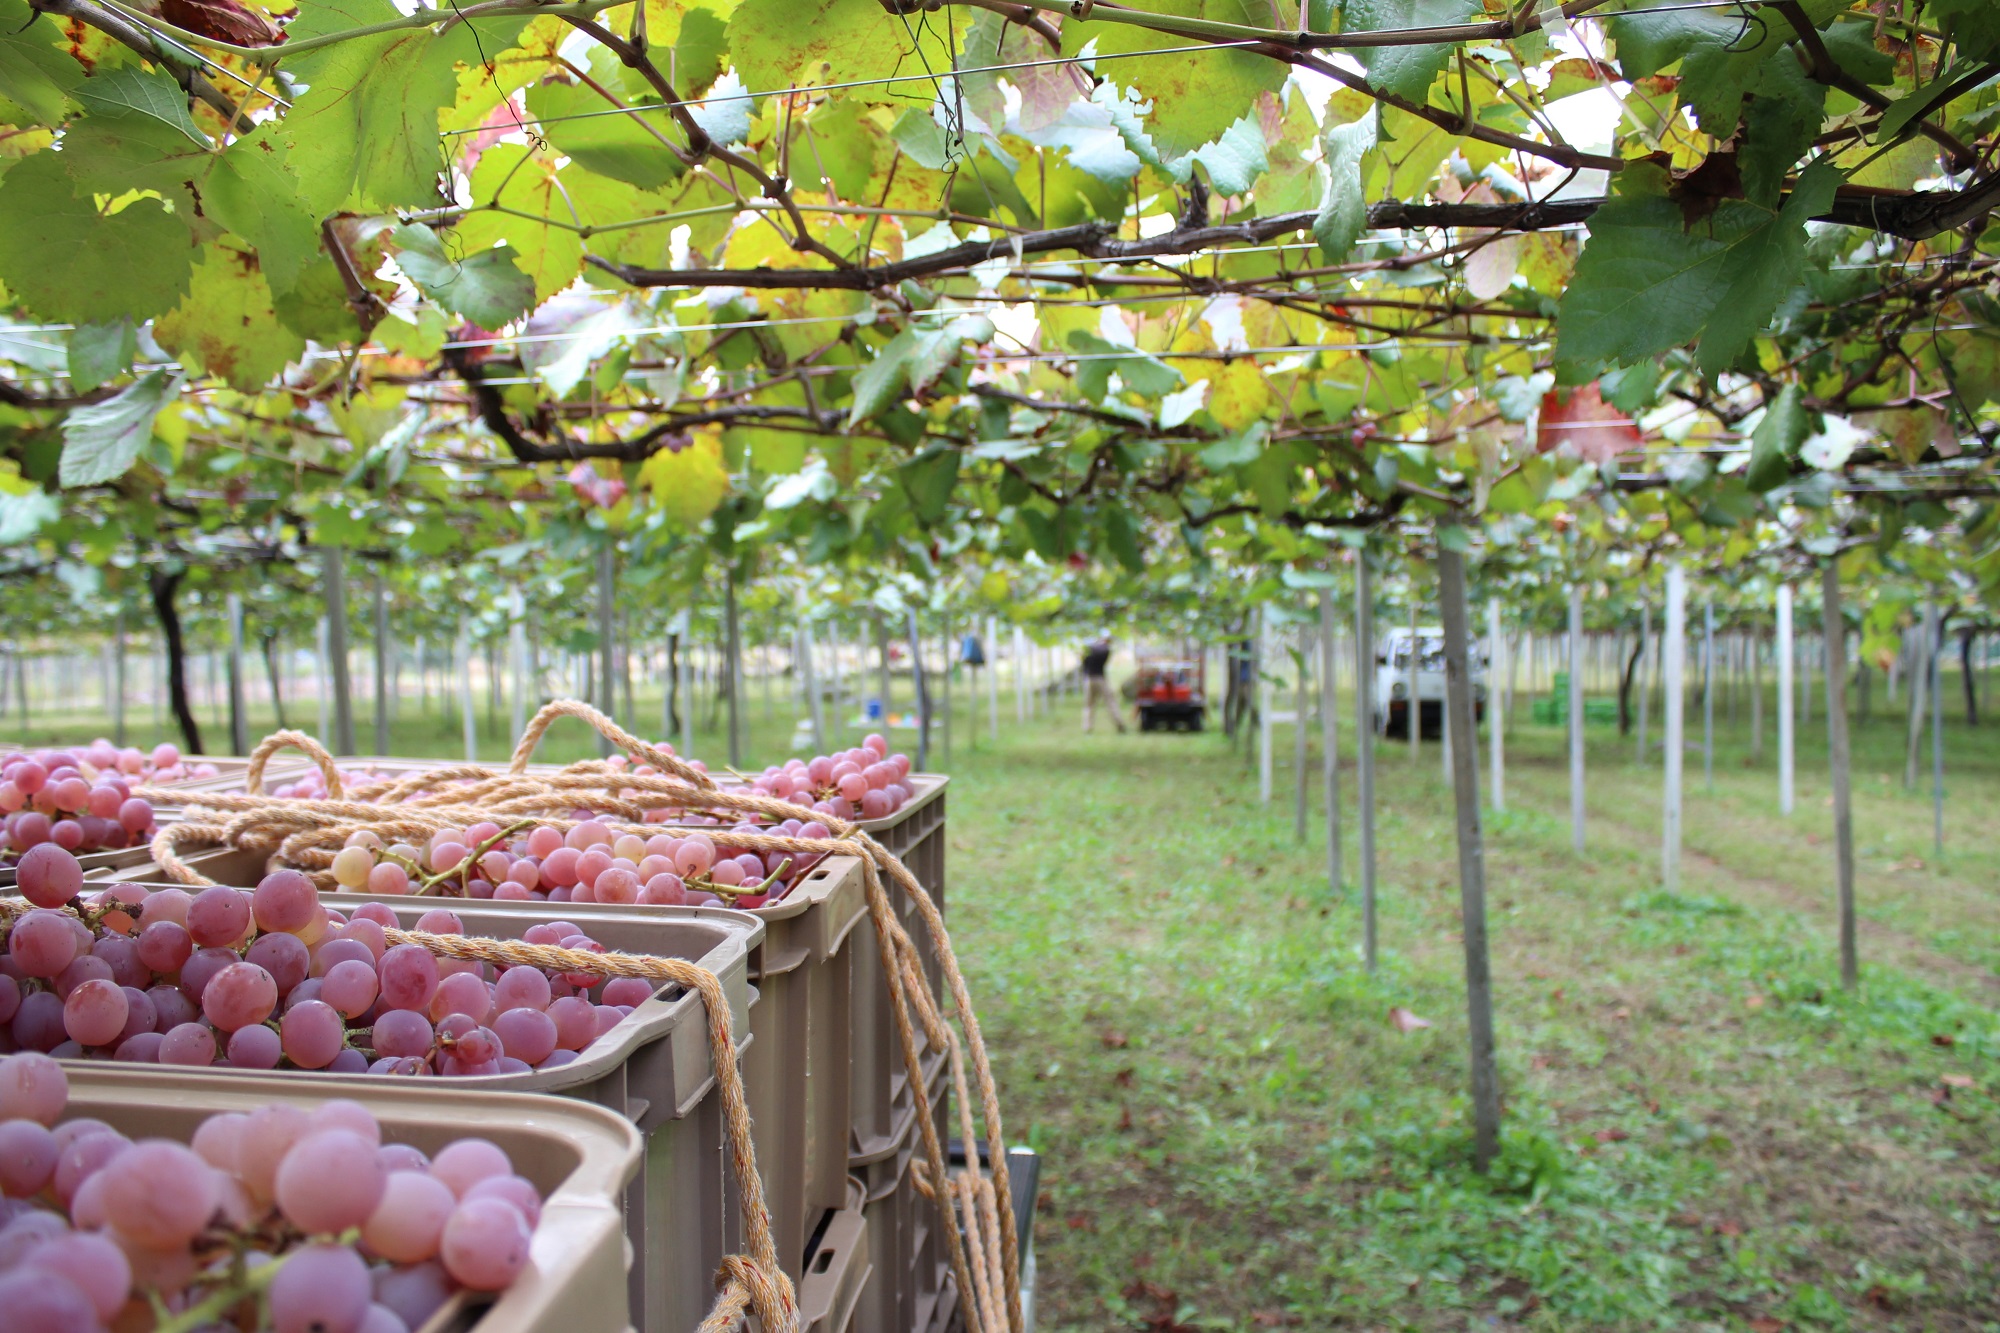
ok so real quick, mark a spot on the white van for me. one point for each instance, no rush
(1392, 681)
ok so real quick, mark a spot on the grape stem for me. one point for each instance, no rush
(733, 892)
(464, 868)
(212, 1307)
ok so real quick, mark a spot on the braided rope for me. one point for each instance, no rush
(306, 833)
(253, 776)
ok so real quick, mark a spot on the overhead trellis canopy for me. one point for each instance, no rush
(1092, 277)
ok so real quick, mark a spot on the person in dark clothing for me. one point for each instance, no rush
(1096, 688)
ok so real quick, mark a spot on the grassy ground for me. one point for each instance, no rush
(1702, 1130)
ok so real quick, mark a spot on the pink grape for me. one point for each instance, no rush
(313, 1034)
(188, 1044)
(218, 916)
(218, 1140)
(485, 1244)
(409, 1221)
(349, 987)
(465, 1162)
(409, 977)
(42, 1303)
(42, 943)
(238, 996)
(95, 1012)
(329, 1181)
(414, 1293)
(159, 1193)
(284, 956)
(92, 1264)
(515, 1190)
(171, 1007)
(268, 1135)
(32, 1087)
(320, 1289)
(202, 968)
(521, 987)
(28, 1155)
(164, 946)
(48, 876)
(528, 1035)
(285, 900)
(254, 1047)
(388, 878)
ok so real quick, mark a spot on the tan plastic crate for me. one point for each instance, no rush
(580, 1157)
(683, 1213)
(838, 1264)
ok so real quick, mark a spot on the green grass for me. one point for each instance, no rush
(1702, 1130)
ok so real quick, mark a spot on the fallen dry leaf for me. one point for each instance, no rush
(1753, 1002)
(1621, 1013)
(1729, 1228)
(1611, 1136)
(1943, 1039)
(1123, 1078)
(1113, 1039)
(1959, 1081)
(1125, 1120)
(1766, 1324)
(1406, 1021)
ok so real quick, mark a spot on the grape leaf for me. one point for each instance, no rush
(1196, 94)
(367, 127)
(1406, 71)
(253, 191)
(1973, 24)
(513, 176)
(1343, 209)
(67, 261)
(699, 50)
(36, 78)
(151, 94)
(689, 482)
(928, 480)
(226, 325)
(1776, 441)
(1779, 123)
(485, 286)
(101, 441)
(1647, 283)
(780, 44)
(1720, 57)
(624, 147)
(837, 145)
(99, 353)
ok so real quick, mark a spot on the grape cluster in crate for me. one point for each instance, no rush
(272, 978)
(79, 802)
(282, 1218)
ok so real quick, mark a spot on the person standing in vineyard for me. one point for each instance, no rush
(1096, 688)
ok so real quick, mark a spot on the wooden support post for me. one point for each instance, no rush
(1576, 716)
(1329, 722)
(607, 633)
(1676, 737)
(1708, 694)
(1364, 745)
(733, 667)
(1787, 793)
(334, 578)
(1838, 763)
(1495, 707)
(1471, 862)
(468, 719)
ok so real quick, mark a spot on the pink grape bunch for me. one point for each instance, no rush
(339, 1231)
(591, 862)
(272, 979)
(69, 800)
(866, 782)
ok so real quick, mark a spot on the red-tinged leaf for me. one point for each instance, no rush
(1766, 1324)
(1125, 1120)
(1582, 424)
(1729, 1228)
(1611, 1136)
(1113, 1039)
(1406, 1021)
(224, 20)
(1943, 1039)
